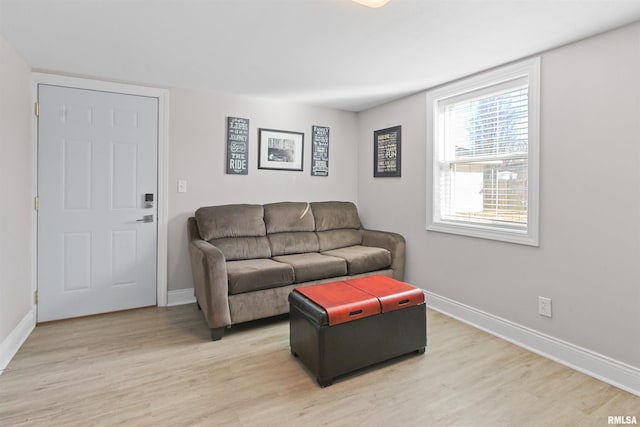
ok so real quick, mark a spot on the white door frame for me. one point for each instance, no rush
(163, 162)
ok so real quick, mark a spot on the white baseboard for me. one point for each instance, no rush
(604, 368)
(12, 343)
(180, 296)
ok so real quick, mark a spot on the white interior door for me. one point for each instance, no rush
(97, 168)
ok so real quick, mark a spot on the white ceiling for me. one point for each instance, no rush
(333, 53)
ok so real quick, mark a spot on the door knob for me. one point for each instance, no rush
(146, 218)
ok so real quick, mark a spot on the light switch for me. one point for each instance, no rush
(182, 186)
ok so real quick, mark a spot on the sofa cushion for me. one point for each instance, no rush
(335, 215)
(288, 216)
(314, 266)
(256, 274)
(235, 248)
(216, 222)
(362, 259)
(333, 239)
(293, 243)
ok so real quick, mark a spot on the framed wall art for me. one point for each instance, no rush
(237, 146)
(387, 152)
(319, 151)
(280, 150)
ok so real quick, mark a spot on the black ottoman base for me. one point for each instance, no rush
(330, 351)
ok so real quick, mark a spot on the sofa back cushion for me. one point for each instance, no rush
(242, 248)
(335, 215)
(298, 242)
(216, 222)
(337, 224)
(237, 230)
(336, 239)
(288, 216)
(290, 227)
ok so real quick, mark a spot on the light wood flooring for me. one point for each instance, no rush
(157, 367)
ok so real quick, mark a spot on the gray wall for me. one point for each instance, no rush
(16, 189)
(588, 259)
(198, 153)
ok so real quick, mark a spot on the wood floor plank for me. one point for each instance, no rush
(158, 367)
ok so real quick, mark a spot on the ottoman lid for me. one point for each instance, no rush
(341, 301)
(393, 294)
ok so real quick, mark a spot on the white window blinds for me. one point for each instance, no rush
(484, 172)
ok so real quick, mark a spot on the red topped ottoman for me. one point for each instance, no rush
(339, 327)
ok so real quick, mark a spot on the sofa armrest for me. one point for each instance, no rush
(392, 242)
(210, 281)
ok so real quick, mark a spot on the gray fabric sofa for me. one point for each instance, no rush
(246, 259)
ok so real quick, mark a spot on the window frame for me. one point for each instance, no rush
(471, 86)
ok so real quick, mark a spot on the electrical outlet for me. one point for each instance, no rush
(544, 306)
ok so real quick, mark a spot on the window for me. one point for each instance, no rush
(483, 140)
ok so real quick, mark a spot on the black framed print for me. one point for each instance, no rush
(319, 151)
(280, 149)
(387, 152)
(237, 146)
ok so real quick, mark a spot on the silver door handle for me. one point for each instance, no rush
(146, 218)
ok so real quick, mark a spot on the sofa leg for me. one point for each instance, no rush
(216, 334)
(326, 382)
(198, 304)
